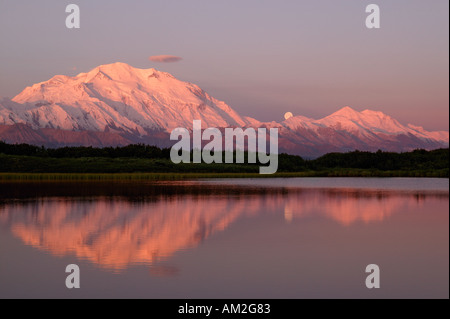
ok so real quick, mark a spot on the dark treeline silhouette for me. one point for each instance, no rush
(135, 150)
(145, 158)
(415, 160)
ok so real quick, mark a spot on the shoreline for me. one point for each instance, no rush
(170, 176)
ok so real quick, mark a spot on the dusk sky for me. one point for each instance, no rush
(263, 58)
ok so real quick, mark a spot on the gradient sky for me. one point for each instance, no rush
(263, 58)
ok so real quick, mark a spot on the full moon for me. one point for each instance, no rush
(288, 115)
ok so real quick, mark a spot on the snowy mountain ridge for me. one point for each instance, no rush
(119, 98)
(116, 104)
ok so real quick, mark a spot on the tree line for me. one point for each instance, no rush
(380, 160)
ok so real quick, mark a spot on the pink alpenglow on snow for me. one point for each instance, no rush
(117, 104)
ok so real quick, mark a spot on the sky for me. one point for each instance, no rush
(263, 58)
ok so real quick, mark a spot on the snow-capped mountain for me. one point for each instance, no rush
(117, 104)
(347, 130)
(119, 98)
(368, 125)
(363, 124)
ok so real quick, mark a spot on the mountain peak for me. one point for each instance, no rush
(345, 111)
(117, 65)
(121, 67)
(117, 71)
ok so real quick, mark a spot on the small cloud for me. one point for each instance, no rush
(165, 58)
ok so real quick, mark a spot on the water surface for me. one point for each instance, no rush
(240, 238)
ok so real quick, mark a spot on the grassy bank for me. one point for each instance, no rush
(24, 177)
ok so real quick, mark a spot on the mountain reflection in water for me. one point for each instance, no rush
(116, 226)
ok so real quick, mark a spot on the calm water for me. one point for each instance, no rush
(240, 238)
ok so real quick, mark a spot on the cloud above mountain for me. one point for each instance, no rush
(165, 58)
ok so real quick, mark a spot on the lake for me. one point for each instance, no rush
(231, 238)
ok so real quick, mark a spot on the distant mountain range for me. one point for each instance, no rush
(117, 104)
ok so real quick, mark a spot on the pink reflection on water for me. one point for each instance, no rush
(115, 234)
